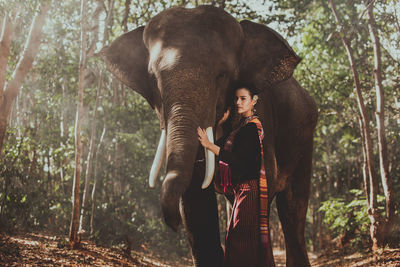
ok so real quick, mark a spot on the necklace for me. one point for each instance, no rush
(247, 119)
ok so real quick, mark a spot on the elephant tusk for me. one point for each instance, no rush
(210, 161)
(158, 160)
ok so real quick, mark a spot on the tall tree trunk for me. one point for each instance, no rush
(49, 185)
(126, 15)
(373, 212)
(316, 245)
(63, 127)
(9, 91)
(380, 112)
(364, 163)
(123, 95)
(348, 174)
(319, 227)
(116, 181)
(380, 122)
(95, 27)
(33, 163)
(74, 238)
(85, 199)
(328, 162)
(95, 182)
(5, 47)
(108, 22)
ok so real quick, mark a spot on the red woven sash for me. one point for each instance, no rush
(263, 195)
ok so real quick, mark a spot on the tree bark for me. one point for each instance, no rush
(328, 163)
(95, 29)
(380, 114)
(5, 47)
(49, 184)
(11, 89)
(95, 182)
(364, 163)
(85, 199)
(126, 15)
(319, 226)
(373, 212)
(74, 238)
(380, 125)
(348, 174)
(108, 21)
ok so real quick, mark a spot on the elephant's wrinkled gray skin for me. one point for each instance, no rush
(183, 62)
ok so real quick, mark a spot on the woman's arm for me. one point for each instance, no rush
(206, 143)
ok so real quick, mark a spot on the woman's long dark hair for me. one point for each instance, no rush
(246, 85)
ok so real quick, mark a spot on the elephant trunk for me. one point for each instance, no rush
(182, 146)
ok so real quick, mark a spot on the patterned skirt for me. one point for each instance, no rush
(243, 240)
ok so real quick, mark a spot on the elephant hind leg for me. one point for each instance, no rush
(292, 209)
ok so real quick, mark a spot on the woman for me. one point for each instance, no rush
(241, 168)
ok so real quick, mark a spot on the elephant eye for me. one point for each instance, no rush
(222, 75)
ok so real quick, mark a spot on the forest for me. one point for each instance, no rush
(77, 145)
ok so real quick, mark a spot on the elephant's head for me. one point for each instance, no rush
(183, 62)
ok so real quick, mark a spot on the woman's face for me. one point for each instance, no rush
(244, 102)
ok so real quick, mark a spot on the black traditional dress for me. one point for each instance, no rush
(242, 171)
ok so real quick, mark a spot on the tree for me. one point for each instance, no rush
(380, 227)
(380, 125)
(372, 184)
(92, 145)
(74, 238)
(9, 90)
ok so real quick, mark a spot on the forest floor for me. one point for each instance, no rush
(382, 258)
(36, 249)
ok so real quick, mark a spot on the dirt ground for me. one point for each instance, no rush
(381, 258)
(35, 249)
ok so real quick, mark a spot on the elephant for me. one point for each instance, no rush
(183, 62)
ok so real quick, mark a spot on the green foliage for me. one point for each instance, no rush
(25, 185)
(341, 215)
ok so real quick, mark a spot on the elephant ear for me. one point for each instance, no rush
(265, 55)
(127, 58)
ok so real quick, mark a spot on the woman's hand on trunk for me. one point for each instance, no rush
(203, 138)
(205, 142)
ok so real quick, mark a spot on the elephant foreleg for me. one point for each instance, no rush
(292, 208)
(200, 216)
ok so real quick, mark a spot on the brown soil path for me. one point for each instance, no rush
(280, 258)
(45, 250)
(381, 258)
